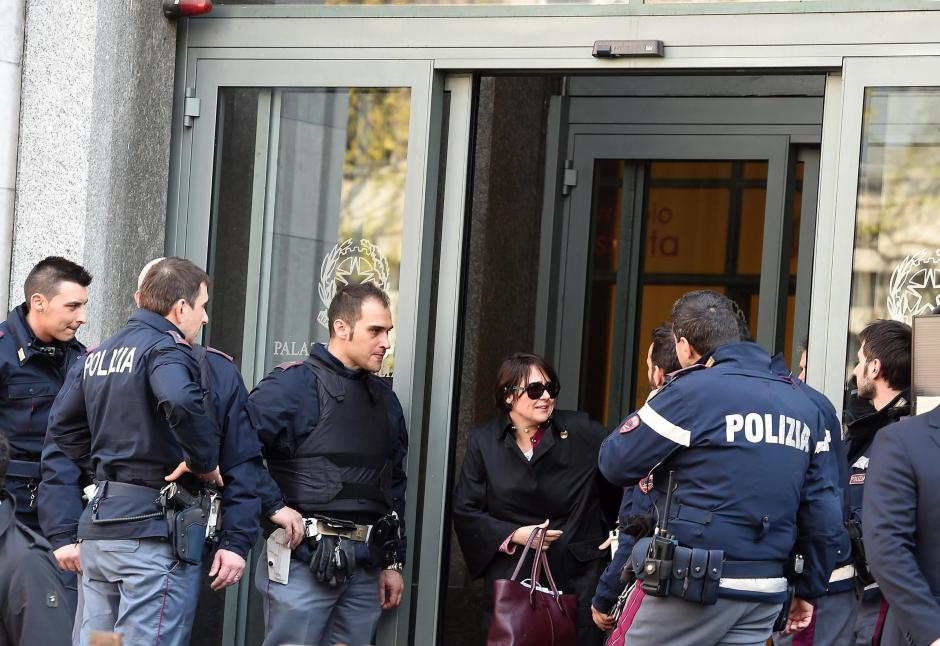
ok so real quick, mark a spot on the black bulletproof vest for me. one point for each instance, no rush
(343, 466)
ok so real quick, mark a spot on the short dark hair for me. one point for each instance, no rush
(347, 303)
(4, 459)
(49, 273)
(170, 280)
(706, 319)
(803, 345)
(514, 369)
(890, 343)
(664, 348)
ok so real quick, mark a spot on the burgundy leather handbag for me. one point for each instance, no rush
(531, 615)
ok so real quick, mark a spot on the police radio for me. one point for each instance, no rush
(657, 568)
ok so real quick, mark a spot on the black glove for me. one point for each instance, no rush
(322, 564)
(334, 560)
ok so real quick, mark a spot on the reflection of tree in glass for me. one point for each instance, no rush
(898, 211)
(377, 131)
(374, 173)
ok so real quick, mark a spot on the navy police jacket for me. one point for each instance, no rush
(609, 586)
(239, 460)
(284, 409)
(860, 434)
(902, 527)
(240, 452)
(748, 448)
(841, 579)
(134, 411)
(31, 375)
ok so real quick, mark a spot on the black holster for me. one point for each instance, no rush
(863, 576)
(187, 517)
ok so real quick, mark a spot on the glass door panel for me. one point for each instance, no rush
(336, 216)
(662, 227)
(306, 176)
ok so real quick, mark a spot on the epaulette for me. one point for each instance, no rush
(288, 365)
(219, 352)
(176, 336)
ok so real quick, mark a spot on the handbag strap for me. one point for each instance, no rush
(528, 544)
(551, 582)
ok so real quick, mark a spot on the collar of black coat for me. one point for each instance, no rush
(154, 320)
(545, 445)
(319, 351)
(897, 408)
(25, 338)
(7, 511)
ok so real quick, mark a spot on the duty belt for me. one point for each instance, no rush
(842, 573)
(23, 469)
(316, 527)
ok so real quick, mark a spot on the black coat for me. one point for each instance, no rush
(34, 608)
(500, 490)
(902, 527)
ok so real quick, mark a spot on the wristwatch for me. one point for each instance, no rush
(395, 566)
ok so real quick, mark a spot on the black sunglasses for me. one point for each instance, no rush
(536, 389)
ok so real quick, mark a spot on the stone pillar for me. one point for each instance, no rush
(12, 21)
(94, 146)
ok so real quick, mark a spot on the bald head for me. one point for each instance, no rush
(142, 275)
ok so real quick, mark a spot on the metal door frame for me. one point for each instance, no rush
(835, 242)
(587, 148)
(188, 234)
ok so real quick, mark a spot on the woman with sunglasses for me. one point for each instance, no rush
(533, 465)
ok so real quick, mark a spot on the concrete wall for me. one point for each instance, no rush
(94, 145)
(12, 25)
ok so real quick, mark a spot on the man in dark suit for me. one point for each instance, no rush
(902, 528)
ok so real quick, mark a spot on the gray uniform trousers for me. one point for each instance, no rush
(866, 621)
(138, 588)
(308, 612)
(833, 623)
(668, 620)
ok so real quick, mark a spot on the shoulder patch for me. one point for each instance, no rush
(287, 365)
(220, 353)
(646, 483)
(176, 336)
(631, 423)
(857, 479)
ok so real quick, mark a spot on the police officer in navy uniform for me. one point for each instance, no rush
(902, 527)
(135, 412)
(883, 376)
(335, 441)
(747, 450)
(32, 607)
(833, 621)
(661, 361)
(37, 348)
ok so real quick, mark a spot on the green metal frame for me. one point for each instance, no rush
(188, 227)
(628, 8)
(832, 272)
(587, 149)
